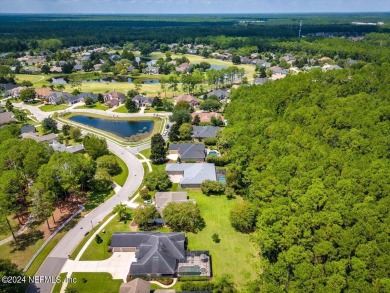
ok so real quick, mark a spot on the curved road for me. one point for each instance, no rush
(52, 265)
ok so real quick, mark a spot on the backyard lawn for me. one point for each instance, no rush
(49, 108)
(235, 254)
(96, 106)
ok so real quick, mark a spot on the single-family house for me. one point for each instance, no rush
(278, 70)
(245, 60)
(219, 93)
(142, 101)
(82, 96)
(157, 254)
(135, 286)
(193, 101)
(261, 80)
(328, 67)
(183, 68)
(161, 199)
(161, 255)
(6, 118)
(48, 138)
(15, 92)
(206, 116)
(114, 98)
(201, 132)
(70, 149)
(96, 67)
(78, 67)
(56, 98)
(55, 69)
(188, 151)
(42, 93)
(7, 86)
(191, 175)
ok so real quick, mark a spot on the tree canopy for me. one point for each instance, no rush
(311, 153)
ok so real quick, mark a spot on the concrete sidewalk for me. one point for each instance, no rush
(118, 265)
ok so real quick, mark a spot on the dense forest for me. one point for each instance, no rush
(311, 154)
(23, 32)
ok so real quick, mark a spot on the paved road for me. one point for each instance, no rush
(53, 264)
(56, 259)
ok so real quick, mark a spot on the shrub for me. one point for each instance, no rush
(144, 193)
(216, 238)
(210, 141)
(98, 239)
(196, 286)
(209, 187)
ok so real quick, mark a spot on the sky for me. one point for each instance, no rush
(191, 6)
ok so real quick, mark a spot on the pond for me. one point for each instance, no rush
(118, 127)
(150, 81)
(110, 80)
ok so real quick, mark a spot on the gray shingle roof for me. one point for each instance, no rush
(219, 93)
(27, 128)
(205, 131)
(157, 253)
(163, 198)
(188, 151)
(6, 117)
(193, 174)
(63, 148)
(135, 286)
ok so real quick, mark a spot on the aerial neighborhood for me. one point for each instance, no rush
(166, 159)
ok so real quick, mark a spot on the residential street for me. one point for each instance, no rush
(56, 259)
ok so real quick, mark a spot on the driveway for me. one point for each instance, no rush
(118, 265)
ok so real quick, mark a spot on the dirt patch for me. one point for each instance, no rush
(133, 226)
(63, 211)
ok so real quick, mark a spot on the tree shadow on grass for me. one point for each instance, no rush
(27, 239)
(95, 199)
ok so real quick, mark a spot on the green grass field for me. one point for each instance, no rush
(96, 106)
(95, 282)
(121, 177)
(235, 254)
(97, 251)
(50, 108)
(121, 109)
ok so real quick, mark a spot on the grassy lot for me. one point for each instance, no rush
(146, 153)
(85, 239)
(49, 247)
(15, 227)
(121, 177)
(29, 243)
(235, 254)
(95, 282)
(96, 199)
(97, 251)
(96, 106)
(121, 109)
(57, 286)
(49, 108)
